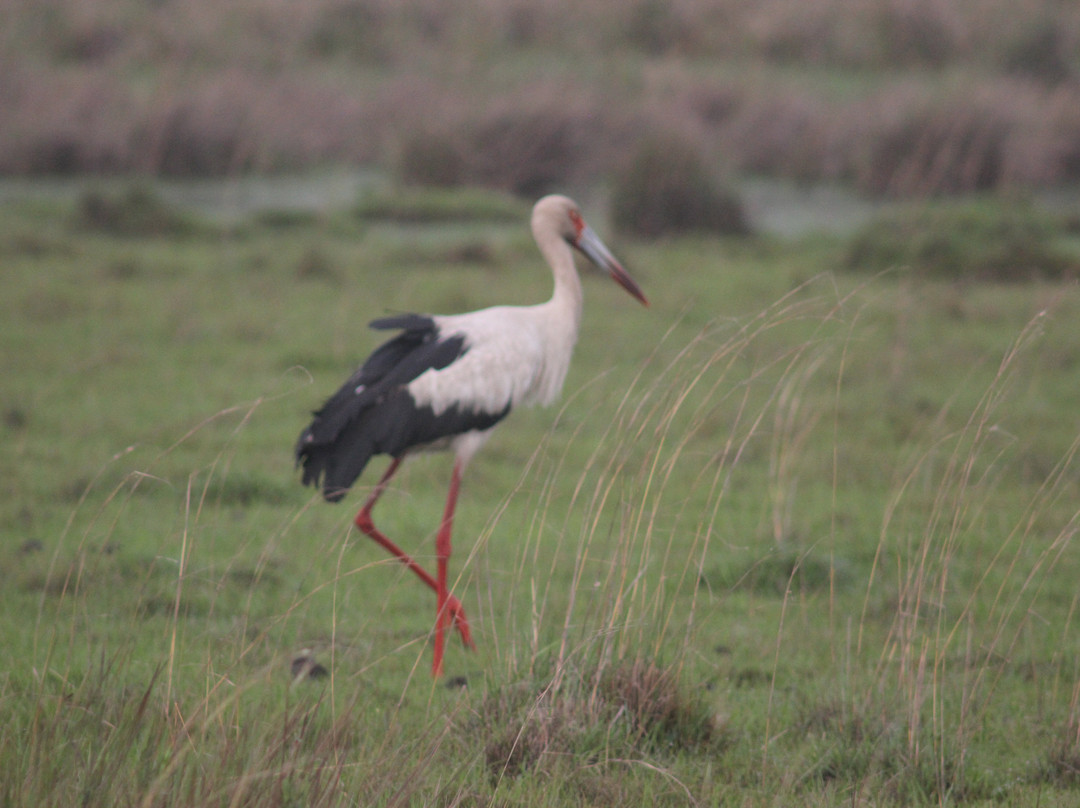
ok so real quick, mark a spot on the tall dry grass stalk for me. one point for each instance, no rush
(640, 522)
(211, 722)
(942, 658)
(643, 518)
(605, 598)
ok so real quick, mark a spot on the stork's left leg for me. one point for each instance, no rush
(447, 603)
(442, 557)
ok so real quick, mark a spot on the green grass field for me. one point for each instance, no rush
(794, 534)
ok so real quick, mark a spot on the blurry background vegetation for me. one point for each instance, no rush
(902, 98)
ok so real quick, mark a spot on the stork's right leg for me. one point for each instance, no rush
(454, 609)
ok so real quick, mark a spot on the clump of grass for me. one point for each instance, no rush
(244, 489)
(859, 744)
(783, 133)
(1062, 763)
(989, 240)
(783, 572)
(238, 121)
(204, 135)
(316, 265)
(522, 736)
(670, 185)
(659, 711)
(610, 710)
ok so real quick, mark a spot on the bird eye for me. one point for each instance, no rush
(577, 222)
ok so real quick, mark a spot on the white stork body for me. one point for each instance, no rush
(513, 356)
(446, 380)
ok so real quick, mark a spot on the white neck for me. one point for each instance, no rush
(561, 315)
(567, 300)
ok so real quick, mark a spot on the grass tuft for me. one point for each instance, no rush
(660, 712)
(608, 712)
(784, 572)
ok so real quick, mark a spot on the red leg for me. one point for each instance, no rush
(451, 606)
(443, 612)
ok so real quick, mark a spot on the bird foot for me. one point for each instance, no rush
(459, 621)
(452, 611)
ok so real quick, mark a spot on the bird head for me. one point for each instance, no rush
(564, 214)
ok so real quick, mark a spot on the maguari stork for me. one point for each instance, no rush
(445, 381)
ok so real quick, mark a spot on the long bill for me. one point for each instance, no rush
(596, 251)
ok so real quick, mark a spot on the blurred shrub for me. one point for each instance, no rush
(917, 32)
(655, 27)
(939, 148)
(431, 158)
(859, 33)
(316, 264)
(669, 185)
(135, 211)
(990, 240)
(536, 145)
(355, 29)
(1042, 52)
(528, 143)
(439, 205)
(910, 142)
(783, 134)
(196, 139)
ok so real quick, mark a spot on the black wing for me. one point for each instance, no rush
(373, 413)
(336, 446)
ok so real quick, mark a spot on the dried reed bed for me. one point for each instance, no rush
(515, 96)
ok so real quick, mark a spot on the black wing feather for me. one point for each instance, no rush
(367, 416)
(393, 364)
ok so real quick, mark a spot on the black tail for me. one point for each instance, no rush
(333, 466)
(369, 414)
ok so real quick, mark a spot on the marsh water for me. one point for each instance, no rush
(774, 207)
